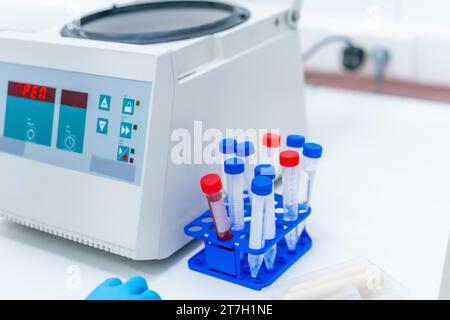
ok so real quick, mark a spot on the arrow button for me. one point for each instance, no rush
(102, 125)
(125, 130)
(123, 154)
(104, 102)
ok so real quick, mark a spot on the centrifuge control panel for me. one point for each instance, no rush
(83, 122)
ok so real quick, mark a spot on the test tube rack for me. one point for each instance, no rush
(227, 260)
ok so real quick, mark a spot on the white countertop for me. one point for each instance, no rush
(381, 192)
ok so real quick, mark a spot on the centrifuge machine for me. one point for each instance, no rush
(87, 113)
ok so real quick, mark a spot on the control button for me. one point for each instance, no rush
(125, 130)
(104, 102)
(31, 133)
(70, 142)
(102, 125)
(128, 106)
(123, 153)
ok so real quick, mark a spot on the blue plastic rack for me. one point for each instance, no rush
(222, 259)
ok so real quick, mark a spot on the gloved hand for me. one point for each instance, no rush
(113, 289)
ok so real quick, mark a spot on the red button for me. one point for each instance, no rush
(124, 157)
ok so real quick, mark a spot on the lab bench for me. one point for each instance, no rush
(381, 193)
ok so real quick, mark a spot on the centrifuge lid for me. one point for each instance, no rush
(156, 22)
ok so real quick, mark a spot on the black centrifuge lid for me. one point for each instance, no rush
(156, 22)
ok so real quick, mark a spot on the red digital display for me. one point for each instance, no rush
(74, 99)
(31, 91)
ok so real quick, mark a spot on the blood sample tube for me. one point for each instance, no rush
(289, 161)
(212, 188)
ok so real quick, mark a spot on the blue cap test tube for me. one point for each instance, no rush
(268, 171)
(234, 171)
(262, 187)
(312, 152)
(295, 142)
(227, 148)
(245, 151)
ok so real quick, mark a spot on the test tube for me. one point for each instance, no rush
(262, 187)
(271, 149)
(268, 171)
(234, 170)
(245, 150)
(212, 188)
(289, 161)
(227, 148)
(312, 152)
(295, 142)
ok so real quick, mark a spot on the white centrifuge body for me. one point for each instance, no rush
(96, 105)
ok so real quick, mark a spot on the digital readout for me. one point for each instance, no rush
(31, 91)
(74, 99)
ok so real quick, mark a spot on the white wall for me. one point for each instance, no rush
(34, 15)
(427, 12)
(417, 32)
(360, 11)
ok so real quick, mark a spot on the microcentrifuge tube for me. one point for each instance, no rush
(289, 161)
(212, 188)
(234, 170)
(268, 171)
(262, 187)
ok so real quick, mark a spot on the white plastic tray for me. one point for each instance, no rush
(358, 279)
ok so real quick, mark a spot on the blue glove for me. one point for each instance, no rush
(134, 289)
